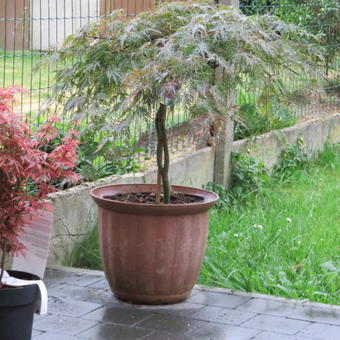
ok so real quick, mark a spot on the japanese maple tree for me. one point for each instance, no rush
(27, 172)
(190, 55)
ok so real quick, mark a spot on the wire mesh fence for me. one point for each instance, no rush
(319, 17)
(31, 30)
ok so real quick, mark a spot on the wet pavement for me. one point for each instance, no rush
(81, 306)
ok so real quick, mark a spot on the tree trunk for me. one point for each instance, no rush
(163, 158)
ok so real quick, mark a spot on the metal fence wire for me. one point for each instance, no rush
(30, 30)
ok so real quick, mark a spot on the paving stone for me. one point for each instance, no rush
(181, 309)
(55, 276)
(321, 331)
(109, 331)
(82, 306)
(39, 317)
(104, 296)
(51, 336)
(218, 299)
(291, 310)
(128, 316)
(64, 325)
(36, 333)
(66, 291)
(170, 324)
(167, 336)
(276, 324)
(70, 307)
(102, 284)
(194, 292)
(277, 336)
(223, 315)
(83, 280)
(316, 315)
(267, 307)
(184, 309)
(218, 331)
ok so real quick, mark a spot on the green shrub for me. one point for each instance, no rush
(247, 176)
(292, 158)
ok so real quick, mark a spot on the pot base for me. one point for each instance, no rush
(151, 299)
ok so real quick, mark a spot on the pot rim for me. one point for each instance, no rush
(18, 288)
(19, 296)
(209, 200)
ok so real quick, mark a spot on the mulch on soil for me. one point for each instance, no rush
(149, 198)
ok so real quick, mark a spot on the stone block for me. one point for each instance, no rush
(276, 324)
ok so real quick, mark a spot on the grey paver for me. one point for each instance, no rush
(127, 316)
(70, 307)
(108, 331)
(170, 324)
(167, 336)
(290, 310)
(276, 336)
(102, 284)
(67, 291)
(184, 309)
(276, 324)
(218, 331)
(82, 306)
(39, 317)
(53, 336)
(268, 307)
(36, 333)
(83, 280)
(56, 276)
(316, 315)
(218, 299)
(223, 315)
(322, 332)
(65, 325)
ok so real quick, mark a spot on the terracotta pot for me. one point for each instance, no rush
(152, 253)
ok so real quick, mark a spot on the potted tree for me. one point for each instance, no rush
(181, 55)
(27, 175)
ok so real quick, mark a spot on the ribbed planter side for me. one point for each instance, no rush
(152, 253)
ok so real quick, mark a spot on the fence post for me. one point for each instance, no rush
(224, 143)
(225, 138)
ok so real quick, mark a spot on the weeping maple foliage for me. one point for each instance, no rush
(182, 57)
(27, 173)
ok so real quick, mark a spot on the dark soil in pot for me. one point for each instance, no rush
(150, 198)
(17, 309)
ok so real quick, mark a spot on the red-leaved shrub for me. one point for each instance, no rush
(27, 173)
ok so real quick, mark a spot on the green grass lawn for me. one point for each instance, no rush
(283, 240)
(20, 69)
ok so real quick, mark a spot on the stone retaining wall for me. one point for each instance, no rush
(76, 213)
(268, 147)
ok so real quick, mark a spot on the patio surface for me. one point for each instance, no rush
(81, 306)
